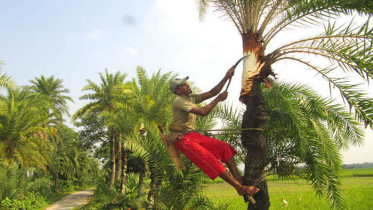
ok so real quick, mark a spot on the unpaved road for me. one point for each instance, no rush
(72, 200)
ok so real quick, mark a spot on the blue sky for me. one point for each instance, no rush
(76, 40)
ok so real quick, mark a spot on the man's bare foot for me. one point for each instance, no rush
(251, 190)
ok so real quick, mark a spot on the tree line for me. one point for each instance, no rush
(358, 165)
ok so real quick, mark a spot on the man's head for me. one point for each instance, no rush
(177, 83)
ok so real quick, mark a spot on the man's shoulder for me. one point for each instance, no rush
(192, 98)
(181, 100)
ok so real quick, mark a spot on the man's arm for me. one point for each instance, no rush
(202, 111)
(214, 91)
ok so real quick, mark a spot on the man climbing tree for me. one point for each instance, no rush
(205, 152)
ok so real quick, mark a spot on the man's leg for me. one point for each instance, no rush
(241, 189)
(191, 147)
(231, 163)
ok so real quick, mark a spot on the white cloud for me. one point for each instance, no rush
(132, 51)
(95, 33)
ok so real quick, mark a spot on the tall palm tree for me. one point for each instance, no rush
(152, 102)
(124, 120)
(54, 92)
(104, 98)
(23, 128)
(302, 129)
(347, 47)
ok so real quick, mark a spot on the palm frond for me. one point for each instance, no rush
(306, 14)
(348, 49)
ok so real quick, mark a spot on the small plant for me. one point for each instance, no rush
(31, 202)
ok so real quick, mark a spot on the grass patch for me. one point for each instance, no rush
(357, 172)
(300, 195)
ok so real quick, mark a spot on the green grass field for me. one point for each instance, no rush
(357, 186)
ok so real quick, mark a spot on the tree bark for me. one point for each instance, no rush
(151, 193)
(141, 178)
(124, 171)
(155, 184)
(112, 158)
(56, 183)
(119, 158)
(142, 167)
(255, 116)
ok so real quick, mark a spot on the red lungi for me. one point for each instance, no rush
(205, 152)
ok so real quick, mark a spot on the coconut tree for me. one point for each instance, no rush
(347, 47)
(103, 98)
(53, 90)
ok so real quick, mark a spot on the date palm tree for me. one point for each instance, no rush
(151, 102)
(23, 129)
(53, 90)
(303, 130)
(104, 98)
(348, 48)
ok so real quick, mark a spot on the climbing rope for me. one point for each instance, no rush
(207, 132)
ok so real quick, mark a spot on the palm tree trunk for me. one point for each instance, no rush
(112, 158)
(119, 157)
(255, 116)
(142, 168)
(151, 191)
(124, 171)
(56, 183)
(141, 178)
(155, 184)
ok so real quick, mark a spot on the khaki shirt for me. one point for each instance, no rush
(182, 119)
(180, 110)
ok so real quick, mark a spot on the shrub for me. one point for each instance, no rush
(31, 201)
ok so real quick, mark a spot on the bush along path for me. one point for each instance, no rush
(73, 200)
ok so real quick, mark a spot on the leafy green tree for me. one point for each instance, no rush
(347, 47)
(23, 128)
(104, 98)
(91, 131)
(53, 91)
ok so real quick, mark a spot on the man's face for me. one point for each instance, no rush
(183, 89)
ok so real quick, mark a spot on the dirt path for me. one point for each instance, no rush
(72, 200)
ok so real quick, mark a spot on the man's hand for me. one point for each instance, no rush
(222, 96)
(230, 72)
(202, 111)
